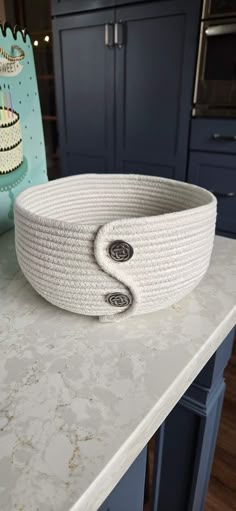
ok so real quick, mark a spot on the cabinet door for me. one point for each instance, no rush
(154, 82)
(217, 172)
(84, 68)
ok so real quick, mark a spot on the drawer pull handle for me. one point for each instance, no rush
(220, 195)
(228, 138)
(119, 35)
(109, 35)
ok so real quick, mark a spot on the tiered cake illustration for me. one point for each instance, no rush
(22, 148)
(11, 150)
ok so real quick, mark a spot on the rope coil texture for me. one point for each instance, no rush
(65, 230)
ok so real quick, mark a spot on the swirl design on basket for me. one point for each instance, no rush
(118, 299)
(120, 251)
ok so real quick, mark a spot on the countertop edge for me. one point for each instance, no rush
(102, 486)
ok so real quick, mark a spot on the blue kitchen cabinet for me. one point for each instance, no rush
(217, 172)
(185, 442)
(84, 69)
(212, 164)
(125, 106)
(213, 135)
(154, 81)
(128, 495)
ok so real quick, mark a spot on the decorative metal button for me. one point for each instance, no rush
(120, 251)
(118, 299)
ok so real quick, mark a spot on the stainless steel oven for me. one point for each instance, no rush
(215, 84)
(214, 8)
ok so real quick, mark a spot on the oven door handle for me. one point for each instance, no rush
(227, 138)
(221, 195)
(214, 30)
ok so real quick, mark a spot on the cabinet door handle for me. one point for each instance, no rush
(216, 30)
(109, 35)
(119, 34)
(220, 195)
(227, 138)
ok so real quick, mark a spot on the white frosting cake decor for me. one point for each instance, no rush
(11, 150)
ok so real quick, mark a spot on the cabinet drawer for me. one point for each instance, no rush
(59, 7)
(214, 135)
(217, 172)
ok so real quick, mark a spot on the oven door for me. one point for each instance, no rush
(212, 8)
(215, 87)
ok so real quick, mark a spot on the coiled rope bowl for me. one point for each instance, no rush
(113, 245)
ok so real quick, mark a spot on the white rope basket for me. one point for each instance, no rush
(113, 245)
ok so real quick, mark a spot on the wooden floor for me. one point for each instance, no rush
(222, 487)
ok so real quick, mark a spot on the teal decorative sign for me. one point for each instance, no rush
(22, 149)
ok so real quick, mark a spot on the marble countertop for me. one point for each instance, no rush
(80, 399)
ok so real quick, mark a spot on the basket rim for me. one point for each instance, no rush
(209, 201)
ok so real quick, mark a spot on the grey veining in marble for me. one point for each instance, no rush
(79, 399)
